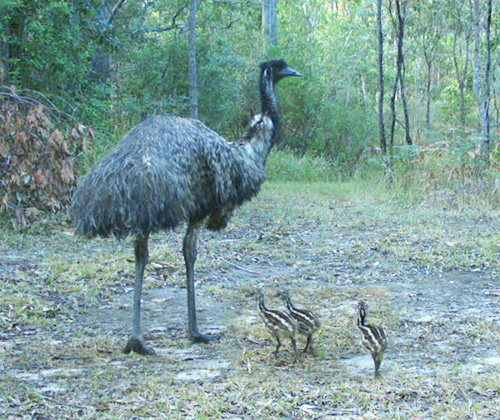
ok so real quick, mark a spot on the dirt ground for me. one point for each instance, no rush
(429, 274)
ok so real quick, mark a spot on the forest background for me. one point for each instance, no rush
(402, 91)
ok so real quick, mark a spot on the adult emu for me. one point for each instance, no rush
(168, 170)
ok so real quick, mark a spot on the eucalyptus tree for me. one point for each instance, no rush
(399, 21)
(269, 22)
(482, 11)
(193, 81)
(381, 126)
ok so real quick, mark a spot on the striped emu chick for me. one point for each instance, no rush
(372, 337)
(307, 321)
(279, 324)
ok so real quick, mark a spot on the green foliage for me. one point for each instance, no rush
(287, 165)
(46, 52)
(331, 109)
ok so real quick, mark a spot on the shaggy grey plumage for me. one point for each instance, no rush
(147, 184)
(168, 170)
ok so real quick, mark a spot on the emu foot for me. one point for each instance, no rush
(310, 351)
(197, 337)
(138, 346)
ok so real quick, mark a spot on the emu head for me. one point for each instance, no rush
(260, 298)
(362, 312)
(283, 294)
(271, 72)
(276, 70)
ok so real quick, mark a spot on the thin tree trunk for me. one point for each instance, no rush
(401, 65)
(393, 111)
(100, 60)
(405, 111)
(461, 75)
(487, 86)
(399, 26)
(477, 59)
(193, 83)
(428, 62)
(381, 127)
(482, 87)
(269, 22)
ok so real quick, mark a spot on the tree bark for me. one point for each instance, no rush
(401, 10)
(428, 62)
(100, 60)
(381, 127)
(481, 83)
(487, 84)
(269, 22)
(393, 112)
(193, 82)
(461, 74)
(400, 70)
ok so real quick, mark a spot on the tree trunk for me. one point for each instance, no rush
(400, 26)
(487, 85)
(461, 74)
(401, 65)
(100, 60)
(428, 62)
(481, 86)
(193, 83)
(381, 127)
(269, 22)
(393, 111)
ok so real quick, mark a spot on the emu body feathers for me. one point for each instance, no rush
(168, 170)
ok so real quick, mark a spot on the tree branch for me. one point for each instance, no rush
(173, 26)
(224, 27)
(237, 3)
(9, 92)
(115, 9)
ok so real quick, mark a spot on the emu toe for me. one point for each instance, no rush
(138, 346)
(202, 338)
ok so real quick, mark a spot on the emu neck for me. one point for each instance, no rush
(268, 101)
(262, 305)
(361, 319)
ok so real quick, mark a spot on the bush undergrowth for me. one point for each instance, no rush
(286, 165)
(435, 176)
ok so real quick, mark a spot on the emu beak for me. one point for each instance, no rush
(288, 71)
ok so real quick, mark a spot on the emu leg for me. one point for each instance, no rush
(377, 359)
(278, 345)
(309, 348)
(189, 252)
(294, 346)
(136, 342)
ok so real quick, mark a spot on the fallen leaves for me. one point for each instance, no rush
(37, 161)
